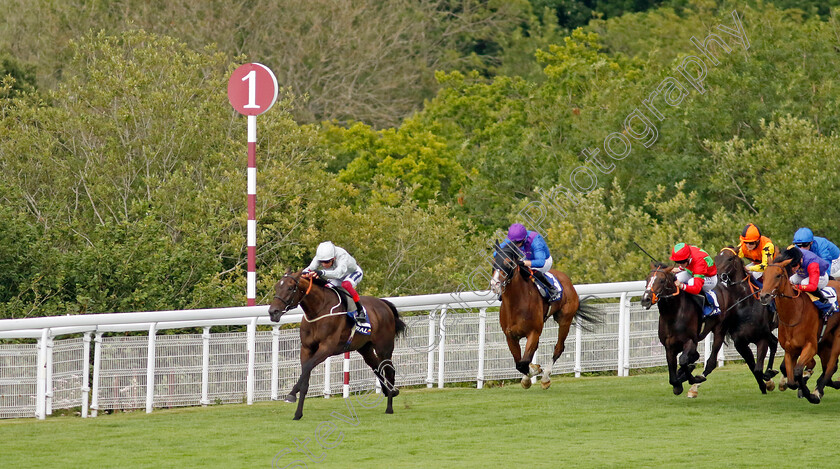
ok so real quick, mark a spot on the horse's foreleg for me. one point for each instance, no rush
(513, 345)
(531, 344)
(805, 358)
(711, 363)
(772, 343)
(687, 359)
(743, 349)
(671, 358)
(305, 356)
(306, 370)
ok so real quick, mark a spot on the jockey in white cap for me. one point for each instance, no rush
(337, 267)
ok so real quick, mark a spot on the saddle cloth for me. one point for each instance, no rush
(551, 278)
(825, 308)
(712, 306)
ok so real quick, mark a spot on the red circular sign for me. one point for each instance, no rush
(252, 89)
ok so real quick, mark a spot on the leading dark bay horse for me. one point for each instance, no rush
(524, 311)
(326, 328)
(801, 331)
(681, 327)
(745, 320)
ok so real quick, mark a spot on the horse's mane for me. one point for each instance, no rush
(659, 265)
(318, 280)
(793, 253)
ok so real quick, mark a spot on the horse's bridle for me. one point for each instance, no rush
(293, 303)
(654, 298)
(775, 293)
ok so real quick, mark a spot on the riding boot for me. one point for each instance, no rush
(553, 292)
(361, 315)
(822, 299)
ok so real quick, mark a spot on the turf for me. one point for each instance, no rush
(580, 422)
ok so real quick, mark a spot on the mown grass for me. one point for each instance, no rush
(585, 422)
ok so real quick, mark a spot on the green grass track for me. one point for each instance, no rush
(586, 422)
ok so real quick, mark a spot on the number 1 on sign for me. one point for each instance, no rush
(252, 89)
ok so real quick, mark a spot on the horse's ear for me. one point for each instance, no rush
(496, 245)
(785, 262)
(288, 270)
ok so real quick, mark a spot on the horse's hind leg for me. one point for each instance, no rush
(564, 322)
(384, 371)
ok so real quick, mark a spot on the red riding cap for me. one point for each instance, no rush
(681, 252)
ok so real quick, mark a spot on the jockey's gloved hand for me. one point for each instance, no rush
(320, 273)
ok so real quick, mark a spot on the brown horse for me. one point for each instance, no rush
(681, 327)
(801, 331)
(326, 328)
(524, 311)
(745, 320)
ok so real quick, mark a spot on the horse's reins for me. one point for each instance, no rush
(776, 293)
(308, 289)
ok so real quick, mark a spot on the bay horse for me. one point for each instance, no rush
(801, 331)
(326, 328)
(523, 311)
(681, 327)
(745, 320)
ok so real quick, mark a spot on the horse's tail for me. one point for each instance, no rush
(588, 315)
(400, 328)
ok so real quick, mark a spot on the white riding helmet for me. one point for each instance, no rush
(325, 251)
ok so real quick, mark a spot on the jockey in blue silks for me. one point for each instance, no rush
(537, 256)
(825, 249)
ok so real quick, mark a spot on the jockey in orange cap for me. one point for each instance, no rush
(757, 249)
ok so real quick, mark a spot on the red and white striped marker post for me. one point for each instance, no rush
(346, 391)
(252, 90)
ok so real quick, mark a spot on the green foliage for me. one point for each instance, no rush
(785, 178)
(593, 241)
(410, 155)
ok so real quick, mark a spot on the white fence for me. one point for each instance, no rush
(456, 339)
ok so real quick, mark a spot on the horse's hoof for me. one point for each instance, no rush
(545, 384)
(678, 390)
(770, 384)
(395, 392)
(389, 411)
(814, 397)
(291, 399)
(526, 382)
(297, 417)
(783, 384)
(699, 379)
(691, 394)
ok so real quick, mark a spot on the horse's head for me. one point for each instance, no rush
(775, 279)
(506, 260)
(659, 284)
(288, 293)
(730, 267)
